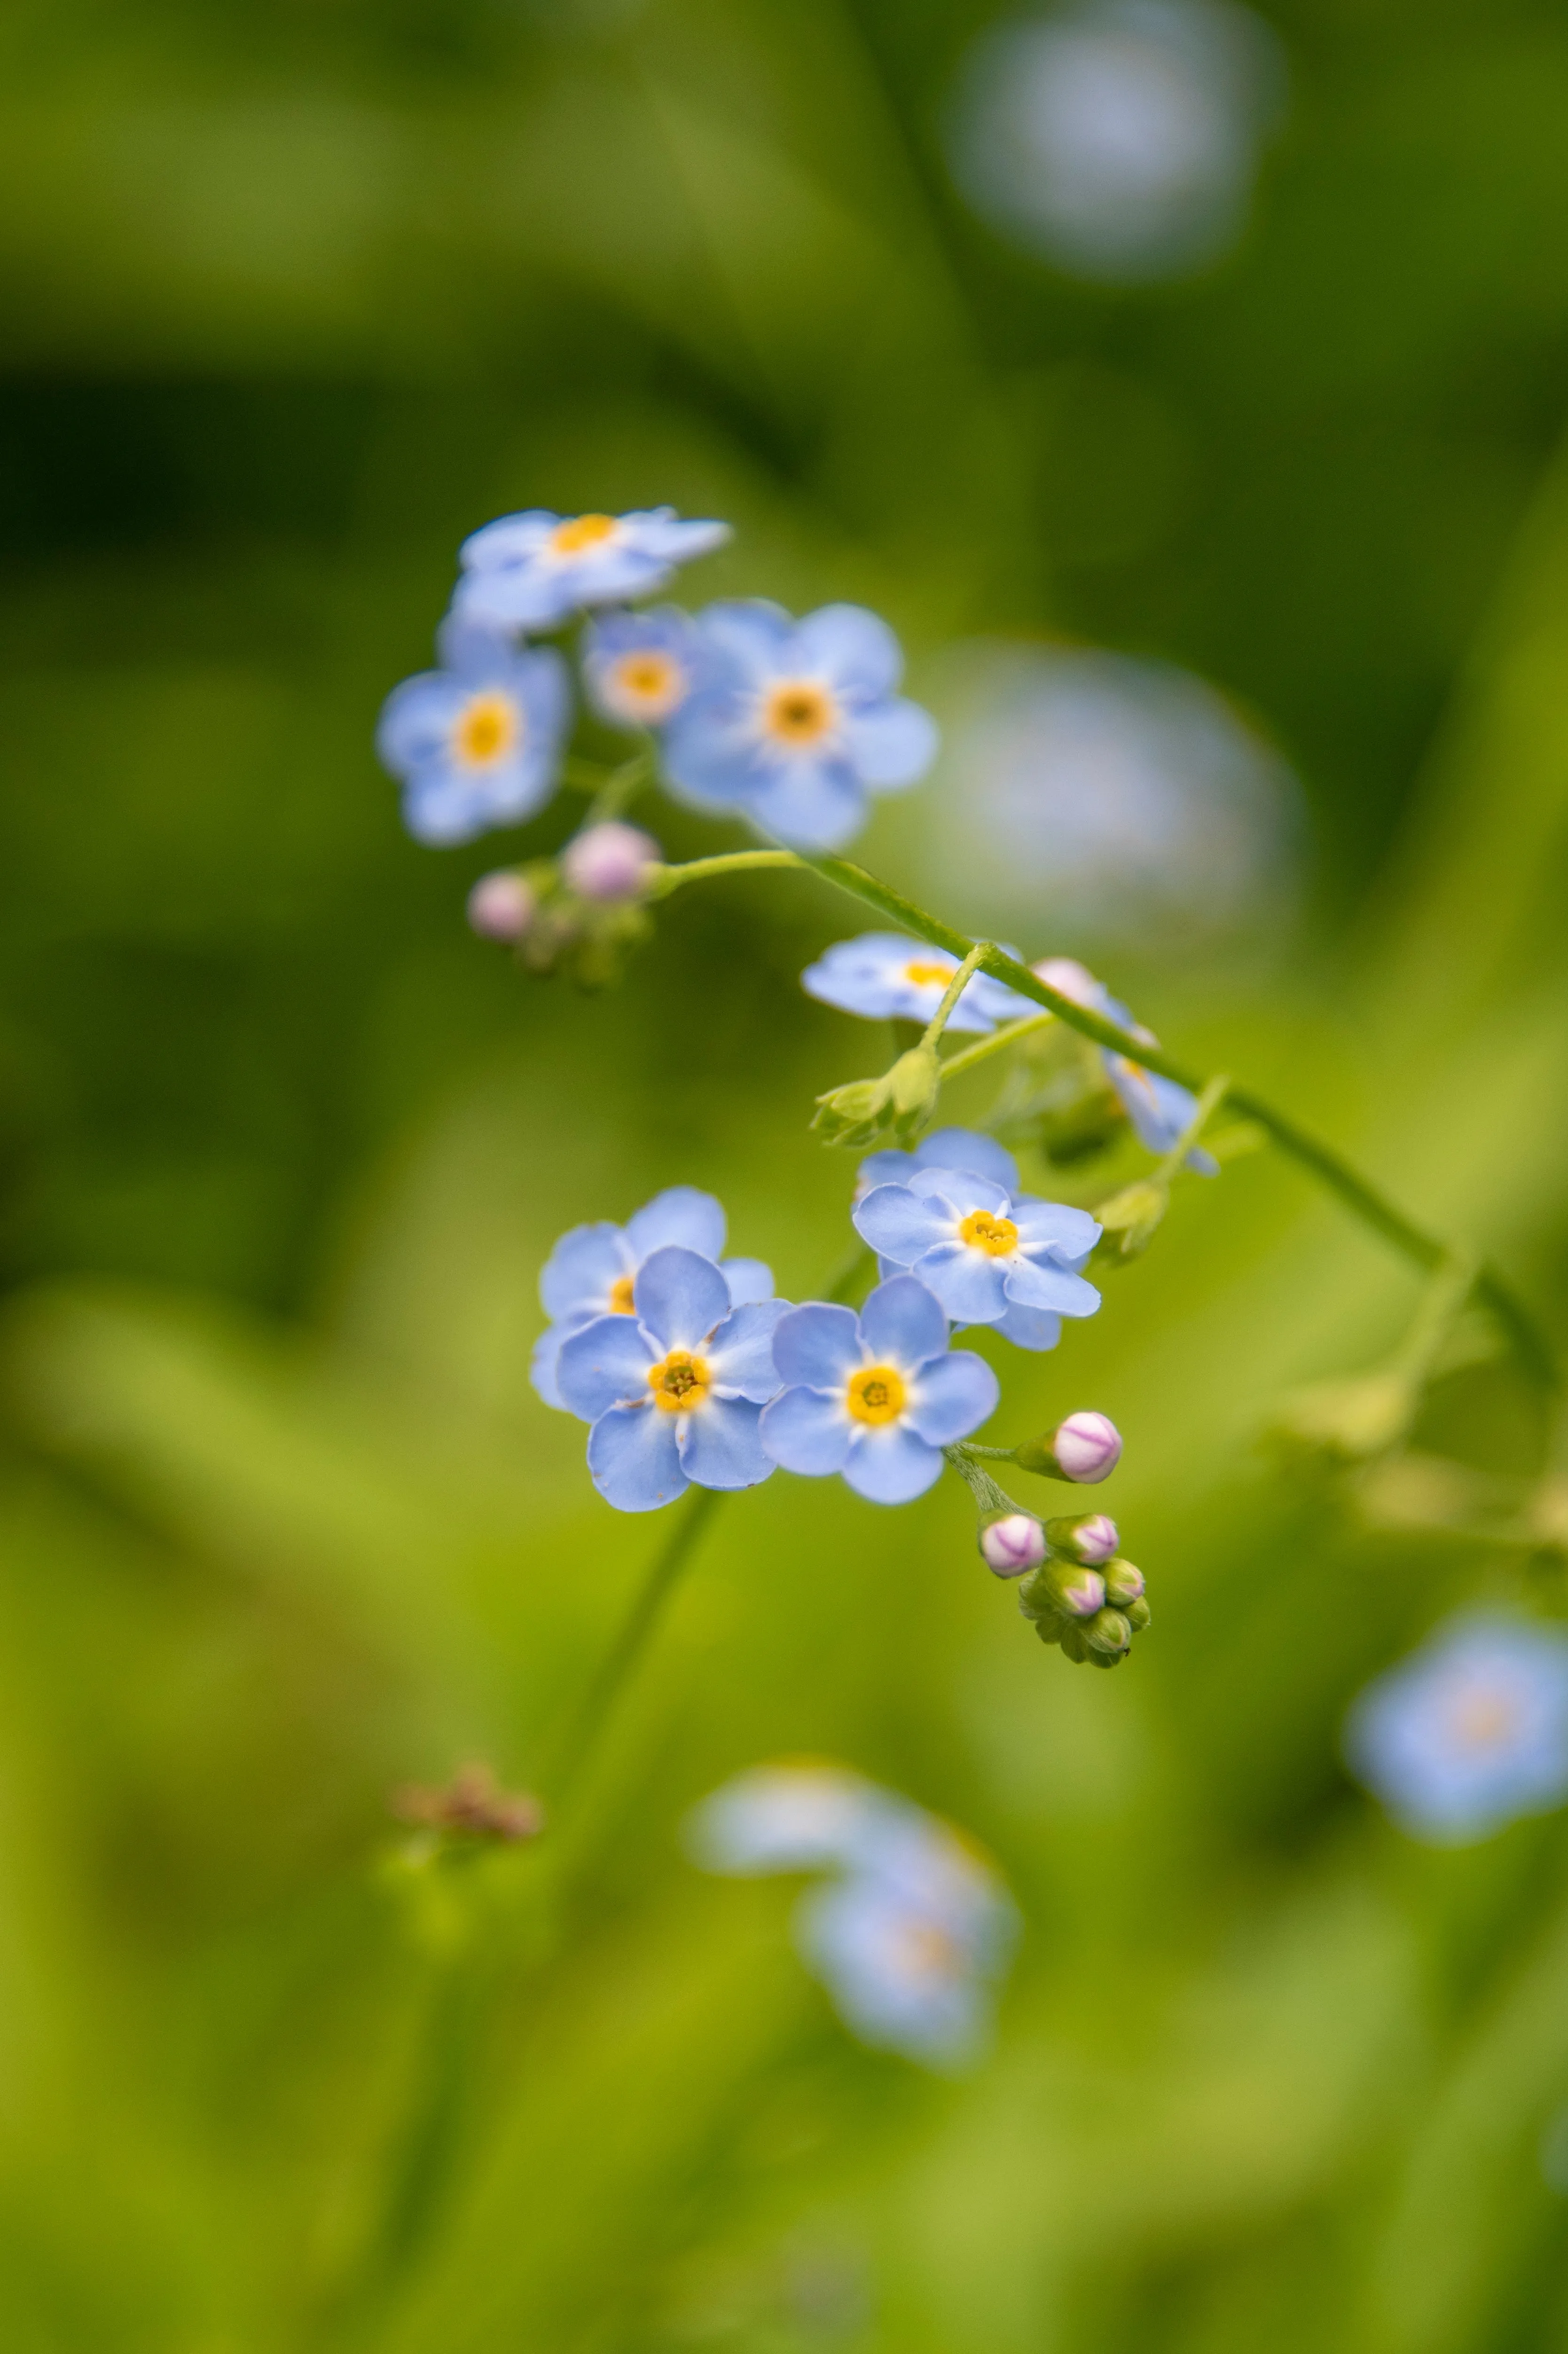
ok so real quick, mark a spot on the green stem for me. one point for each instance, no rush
(1339, 1176)
(621, 788)
(989, 1497)
(955, 990)
(1209, 1102)
(955, 1065)
(662, 880)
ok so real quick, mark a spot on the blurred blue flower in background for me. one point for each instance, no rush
(910, 1935)
(1469, 1733)
(886, 976)
(534, 570)
(592, 1269)
(1111, 800)
(1119, 138)
(478, 742)
(639, 668)
(990, 1253)
(675, 1390)
(875, 1397)
(797, 722)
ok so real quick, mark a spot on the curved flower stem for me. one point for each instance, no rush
(955, 1065)
(1209, 1102)
(661, 880)
(620, 788)
(1332, 1171)
(955, 990)
(626, 1651)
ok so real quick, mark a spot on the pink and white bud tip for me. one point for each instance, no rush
(501, 907)
(609, 862)
(1087, 1447)
(1092, 1537)
(1012, 1545)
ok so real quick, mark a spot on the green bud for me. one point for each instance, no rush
(1048, 1629)
(912, 1086)
(1106, 1659)
(1124, 1584)
(1072, 1641)
(850, 1115)
(1107, 1633)
(1137, 1614)
(1130, 1217)
(1088, 1537)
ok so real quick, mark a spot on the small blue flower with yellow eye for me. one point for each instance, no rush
(799, 723)
(675, 1391)
(640, 668)
(887, 977)
(534, 571)
(477, 743)
(875, 1397)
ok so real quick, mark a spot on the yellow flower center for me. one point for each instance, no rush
(1482, 1719)
(622, 1302)
(570, 538)
(999, 1237)
(798, 712)
(921, 974)
(679, 1382)
(927, 1951)
(877, 1394)
(488, 729)
(647, 681)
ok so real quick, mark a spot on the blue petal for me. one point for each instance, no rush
(892, 744)
(542, 1368)
(720, 1447)
(1040, 1283)
(680, 1297)
(969, 1283)
(740, 1354)
(680, 1214)
(963, 1148)
(853, 648)
(889, 1167)
(1068, 1235)
(901, 1321)
(810, 805)
(635, 1460)
(748, 1279)
(963, 1190)
(890, 1465)
(415, 721)
(605, 1361)
(951, 1395)
(580, 1271)
(817, 1344)
(1028, 1328)
(900, 1225)
(710, 751)
(747, 632)
(807, 1431)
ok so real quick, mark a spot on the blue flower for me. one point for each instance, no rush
(640, 668)
(592, 1269)
(675, 1391)
(1469, 1733)
(534, 570)
(875, 1397)
(1161, 1112)
(477, 742)
(990, 1253)
(945, 1148)
(883, 975)
(799, 721)
(805, 1817)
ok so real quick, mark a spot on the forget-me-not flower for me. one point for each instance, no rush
(639, 668)
(1470, 1733)
(592, 1270)
(533, 570)
(1161, 1111)
(945, 1148)
(478, 742)
(675, 1390)
(990, 1253)
(797, 722)
(877, 1395)
(911, 1929)
(884, 975)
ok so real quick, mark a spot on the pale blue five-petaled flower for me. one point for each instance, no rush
(534, 571)
(888, 976)
(640, 668)
(478, 742)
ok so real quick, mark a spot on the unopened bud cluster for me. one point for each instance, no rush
(1093, 1613)
(578, 914)
(892, 1110)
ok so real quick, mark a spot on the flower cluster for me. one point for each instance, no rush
(790, 724)
(1470, 1734)
(911, 1929)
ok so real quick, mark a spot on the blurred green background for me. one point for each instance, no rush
(295, 293)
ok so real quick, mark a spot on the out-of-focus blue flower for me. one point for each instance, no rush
(533, 570)
(1161, 1111)
(884, 975)
(875, 1397)
(908, 1938)
(478, 742)
(675, 1390)
(592, 1270)
(797, 722)
(1118, 137)
(639, 668)
(990, 1253)
(1470, 1733)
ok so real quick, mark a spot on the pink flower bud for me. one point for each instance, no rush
(1092, 1537)
(1087, 1447)
(609, 862)
(1012, 1545)
(501, 907)
(1068, 977)
(1081, 1591)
